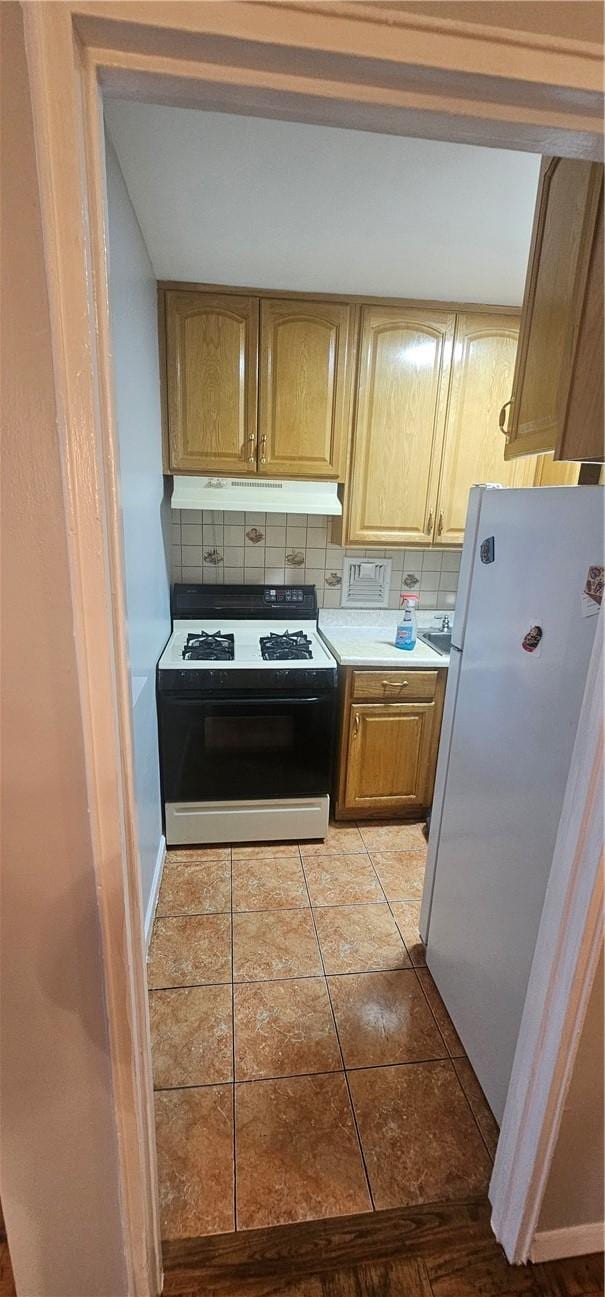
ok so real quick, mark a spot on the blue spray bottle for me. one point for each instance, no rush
(407, 628)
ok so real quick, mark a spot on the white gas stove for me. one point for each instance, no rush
(235, 645)
(247, 715)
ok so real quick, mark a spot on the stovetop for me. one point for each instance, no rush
(236, 645)
(236, 639)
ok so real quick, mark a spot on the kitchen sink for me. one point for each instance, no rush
(441, 640)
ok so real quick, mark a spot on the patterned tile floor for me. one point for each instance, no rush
(304, 1063)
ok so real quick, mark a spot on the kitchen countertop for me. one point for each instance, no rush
(365, 638)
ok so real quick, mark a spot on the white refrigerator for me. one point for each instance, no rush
(510, 718)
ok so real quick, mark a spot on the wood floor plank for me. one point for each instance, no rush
(389, 1279)
(443, 1250)
(293, 1251)
(577, 1276)
(485, 1272)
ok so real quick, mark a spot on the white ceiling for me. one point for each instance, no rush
(271, 204)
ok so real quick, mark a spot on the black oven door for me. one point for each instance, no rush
(227, 749)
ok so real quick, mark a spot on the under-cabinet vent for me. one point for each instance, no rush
(366, 582)
(272, 495)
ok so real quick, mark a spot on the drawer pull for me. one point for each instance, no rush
(395, 684)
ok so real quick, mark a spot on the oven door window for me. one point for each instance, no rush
(243, 735)
(223, 749)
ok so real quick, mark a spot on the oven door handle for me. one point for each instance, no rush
(227, 701)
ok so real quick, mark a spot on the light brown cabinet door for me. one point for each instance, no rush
(549, 473)
(305, 387)
(211, 359)
(401, 403)
(583, 402)
(391, 756)
(562, 239)
(482, 373)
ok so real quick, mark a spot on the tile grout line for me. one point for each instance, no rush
(295, 1076)
(448, 1057)
(414, 967)
(472, 1110)
(329, 905)
(344, 1070)
(394, 917)
(281, 909)
(441, 1033)
(298, 977)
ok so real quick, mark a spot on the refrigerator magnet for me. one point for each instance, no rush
(592, 594)
(533, 638)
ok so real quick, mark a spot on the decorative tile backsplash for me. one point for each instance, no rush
(257, 548)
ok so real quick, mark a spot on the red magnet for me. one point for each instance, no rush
(532, 639)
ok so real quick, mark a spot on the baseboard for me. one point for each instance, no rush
(155, 890)
(575, 1240)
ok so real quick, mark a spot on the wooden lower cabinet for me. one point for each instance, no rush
(388, 750)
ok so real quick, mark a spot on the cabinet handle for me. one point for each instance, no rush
(440, 524)
(252, 448)
(429, 525)
(395, 684)
(502, 418)
(356, 725)
(263, 447)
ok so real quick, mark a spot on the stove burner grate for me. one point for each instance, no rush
(202, 647)
(287, 647)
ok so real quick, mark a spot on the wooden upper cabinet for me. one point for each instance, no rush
(405, 358)
(551, 473)
(482, 372)
(211, 363)
(582, 401)
(305, 387)
(561, 269)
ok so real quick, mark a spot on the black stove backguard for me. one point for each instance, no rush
(243, 602)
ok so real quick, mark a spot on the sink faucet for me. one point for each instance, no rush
(445, 624)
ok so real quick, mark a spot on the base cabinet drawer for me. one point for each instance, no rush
(388, 750)
(394, 686)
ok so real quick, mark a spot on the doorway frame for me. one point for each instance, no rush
(343, 65)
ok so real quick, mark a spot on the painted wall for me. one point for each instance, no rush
(60, 1189)
(578, 20)
(252, 548)
(574, 1193)
(244, 200)
(133, 302)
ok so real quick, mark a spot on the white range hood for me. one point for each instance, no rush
(262, 494)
